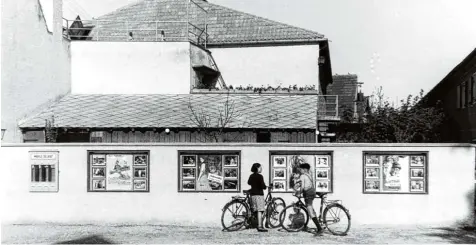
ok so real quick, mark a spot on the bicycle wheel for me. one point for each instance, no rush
(337, 219)
(294, 218)
(273, 211)
(234, 216)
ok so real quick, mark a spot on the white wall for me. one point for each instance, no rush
(35, 68)
(288, 65)
(130, 67)
(449, 201)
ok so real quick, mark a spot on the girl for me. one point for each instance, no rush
(257, 196)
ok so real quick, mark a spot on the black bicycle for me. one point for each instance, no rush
(334, 217)
(237, 212)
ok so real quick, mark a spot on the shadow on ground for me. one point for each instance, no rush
(94, 239)
(465, 235)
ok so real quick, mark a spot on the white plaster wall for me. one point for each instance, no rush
(449, 201)
(35, 68)
(130, 67)
(288, 65)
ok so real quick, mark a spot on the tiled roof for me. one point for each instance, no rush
(225, 25)
(345, 86)
(146, 111)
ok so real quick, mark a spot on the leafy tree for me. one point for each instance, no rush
(383, 122)
(51, 131)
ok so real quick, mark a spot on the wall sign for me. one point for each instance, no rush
(44, 171)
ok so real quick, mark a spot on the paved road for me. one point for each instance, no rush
(153, 234)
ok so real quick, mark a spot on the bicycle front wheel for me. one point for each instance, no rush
(273, 212)
(337, 219)
(234, 216)
(294, 218)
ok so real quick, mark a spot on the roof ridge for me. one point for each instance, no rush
(263, 18)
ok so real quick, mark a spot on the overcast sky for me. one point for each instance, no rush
(402, 45)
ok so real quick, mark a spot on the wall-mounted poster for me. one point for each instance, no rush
(395, 172)
(118, 171)
(211, 171)
(320, 169)
(322, 186)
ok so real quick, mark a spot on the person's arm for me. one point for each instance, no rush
(250, 180)
(263, 185)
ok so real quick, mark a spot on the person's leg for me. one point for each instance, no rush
(312, 214)
(260, 209)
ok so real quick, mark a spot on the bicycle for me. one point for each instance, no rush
(298, 215)
(240, 208)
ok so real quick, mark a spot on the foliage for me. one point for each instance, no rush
(384, 122)
(251, 88)
(51, 131)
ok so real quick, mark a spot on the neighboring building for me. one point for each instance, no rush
(36, 66)
(457, 94)
(133, 56)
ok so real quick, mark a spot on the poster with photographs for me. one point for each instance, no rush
(395, 173)
(372, 173)
(322, 186)
(140, 160)
(140, 184)
(99, 184)
(188, 185)
(98, 160)
(140, 172)
(119, 172)
(231, 173)
(279, 185)
(99, 172)
(189, 160)
(372, 185)
(372, 161)
(231, 185)
(279, 161)
(322, 162)
(279, 173)
(231, 161)
(322, 174)
(189, 173)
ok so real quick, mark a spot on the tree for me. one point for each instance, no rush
(385, 122)
(51, 131)
(213, 122)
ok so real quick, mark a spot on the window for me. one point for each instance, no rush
(118, 171)
(209, 171)
(463, 95)
(458, 97)
(44, 171)
(395, 172)
(284, 170)
(263, 137)
(97, 137)
(473, 86)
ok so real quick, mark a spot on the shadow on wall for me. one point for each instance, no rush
(94, 239)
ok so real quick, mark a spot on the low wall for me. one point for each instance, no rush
(450, 197)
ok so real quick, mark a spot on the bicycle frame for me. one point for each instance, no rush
(323, 203)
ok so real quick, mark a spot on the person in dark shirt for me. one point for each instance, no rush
(257, 184)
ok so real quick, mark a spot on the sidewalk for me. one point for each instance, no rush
(156, 233)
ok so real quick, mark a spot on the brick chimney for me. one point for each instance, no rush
(58, 20)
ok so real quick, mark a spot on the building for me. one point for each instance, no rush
(457, 94)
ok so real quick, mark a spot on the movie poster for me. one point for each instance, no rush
(293, 173)
(119, 172)
(396, 173)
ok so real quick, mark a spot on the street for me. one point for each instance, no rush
(156, 233)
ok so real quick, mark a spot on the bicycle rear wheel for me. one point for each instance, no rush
(294, 218)
(234, 216)
(273, 211)
(337, 219)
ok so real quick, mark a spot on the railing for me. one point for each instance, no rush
(192, 29)
(328, 107)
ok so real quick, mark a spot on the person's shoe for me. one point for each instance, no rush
(261, 229)
(319, 232)
(266, 225)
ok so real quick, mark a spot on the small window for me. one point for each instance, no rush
(463, 95)
(458, 97)
(44, 171)
(473, 86)
(263, 137)
(395, 172)
(118, 171)
(209, 171)
(97, 137)
(284, 170)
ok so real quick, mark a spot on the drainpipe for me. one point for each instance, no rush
(58, 20)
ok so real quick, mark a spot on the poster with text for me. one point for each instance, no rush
(396, 173)
(119, 172)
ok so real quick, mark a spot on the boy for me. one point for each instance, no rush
(308, 190)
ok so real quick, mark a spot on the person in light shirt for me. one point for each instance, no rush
(305, 186)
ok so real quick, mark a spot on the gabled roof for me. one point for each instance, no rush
(345, 86)
(225, 26)
(149, 111)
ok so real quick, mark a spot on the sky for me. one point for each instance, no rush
(402, 45)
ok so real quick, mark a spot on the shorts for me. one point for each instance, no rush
(257, 203)
(309, 195)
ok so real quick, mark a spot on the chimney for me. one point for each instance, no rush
(58, 20)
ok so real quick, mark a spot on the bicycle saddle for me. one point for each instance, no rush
(246, 192)
(321, 194)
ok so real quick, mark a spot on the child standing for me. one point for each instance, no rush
(308, 190)
(257, 196)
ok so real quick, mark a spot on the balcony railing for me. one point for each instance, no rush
(193, 28)
(328, 107)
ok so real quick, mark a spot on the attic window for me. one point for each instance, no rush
(206, 77)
